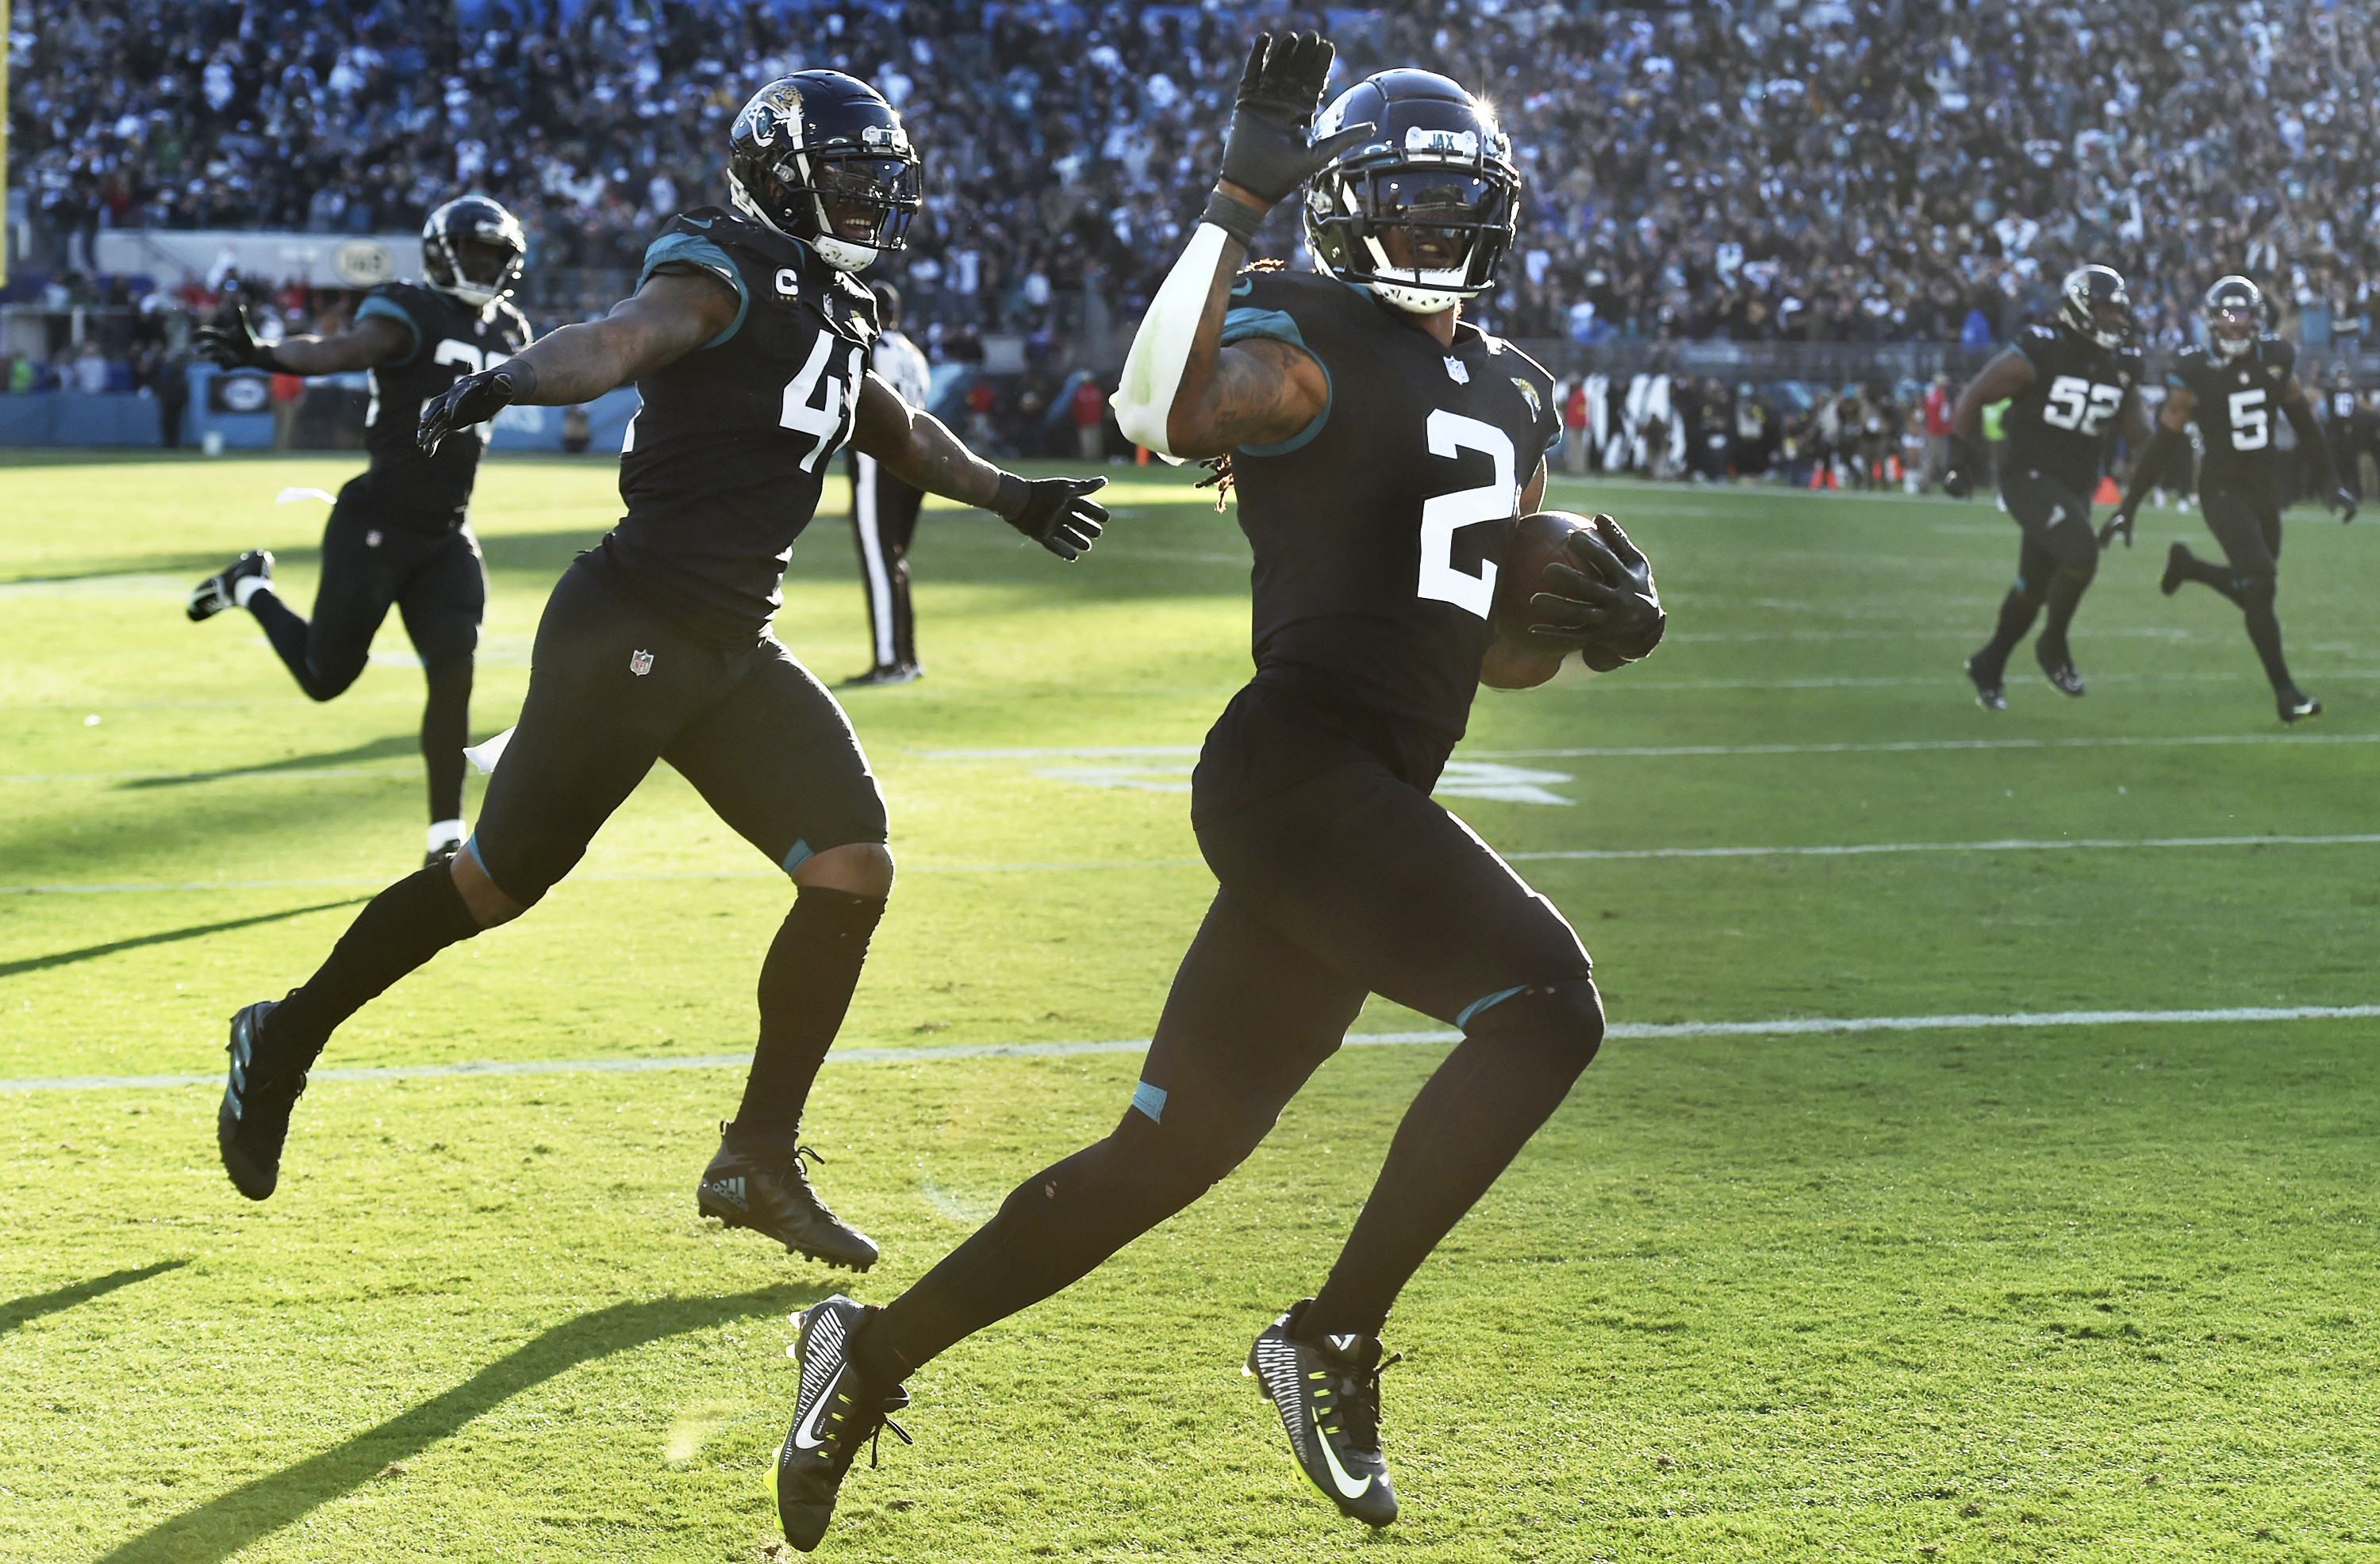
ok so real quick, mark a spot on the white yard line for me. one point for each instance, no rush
(1621, 1031)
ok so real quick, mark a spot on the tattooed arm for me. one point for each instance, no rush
(919, 448)
(1259, 391)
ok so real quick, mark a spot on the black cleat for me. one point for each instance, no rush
(219, 591)
(2298, 706)
(890, 673)
(1328, 1392)
(834, 1411)
(2179, 564)
(2061, 669)
(254, 1119)
(442, 855)
(771, 1194)
(1989, 693)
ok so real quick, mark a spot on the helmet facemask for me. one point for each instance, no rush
(473, 250)
(2096, 305)
(849, 206)
(1420, 236)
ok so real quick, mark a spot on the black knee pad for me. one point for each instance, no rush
(2033, 592)
(1562, 1015)
(448, 674)
(2075, 547)
(2256, 592)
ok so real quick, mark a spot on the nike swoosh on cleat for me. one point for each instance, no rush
(805, 1431)
(1338, 1473)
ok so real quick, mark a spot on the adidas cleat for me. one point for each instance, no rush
(2178, 565)
(2060, 670)
(2297, 706)
(1328, 1393)
(1990, 694)
(771, 1194)
(221, 591)
(834, 1411)
(253, 1122)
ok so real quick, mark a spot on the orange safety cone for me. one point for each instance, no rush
(2108, 494)
(1140, 456)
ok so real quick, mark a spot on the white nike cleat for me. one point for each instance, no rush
(1328, 1392)
(834, 1413)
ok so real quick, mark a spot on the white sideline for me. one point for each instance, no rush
(1664, 751)
(1829, 850)
(1624, 1031)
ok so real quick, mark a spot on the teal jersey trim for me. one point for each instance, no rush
(2018, 348)
(796, 855)
(1241, 324)
(693, 249)
(1150, 1100)
(1475, 1006)
(2176, 381)
(389, 309)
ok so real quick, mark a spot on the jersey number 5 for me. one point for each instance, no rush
(1442, 515)
(2076, 404)
(820, 404)
(2251, 421)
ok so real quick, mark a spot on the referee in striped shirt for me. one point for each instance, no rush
(884, 511)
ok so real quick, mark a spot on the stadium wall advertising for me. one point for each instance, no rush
(324, 261)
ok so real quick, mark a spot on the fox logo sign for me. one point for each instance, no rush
(640, 663)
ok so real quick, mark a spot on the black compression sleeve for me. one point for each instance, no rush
(2152, 462)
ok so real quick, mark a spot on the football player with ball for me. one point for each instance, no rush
(1381, 450)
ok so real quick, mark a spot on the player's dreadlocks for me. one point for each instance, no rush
(1219, 469)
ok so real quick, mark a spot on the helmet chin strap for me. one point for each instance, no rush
(1417, 298)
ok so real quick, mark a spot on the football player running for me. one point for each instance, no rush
(1381, 450)
(2068, 385)
(748, 337)
(2232, 386)
(400, 532)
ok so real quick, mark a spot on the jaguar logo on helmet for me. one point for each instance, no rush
(2086, 292)
(821, 157)
(1436, 185)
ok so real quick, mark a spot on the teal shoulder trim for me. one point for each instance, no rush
(1241, 324)
(693, 249)
(387, 308)
(2173, 378)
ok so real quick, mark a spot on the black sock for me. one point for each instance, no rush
(806, 986)
(2065, 594)
(1052, 1230)
(400, 929)
(2016, 613)
(1478, 1112)
(445, 728)
(283, 628)
(2264, 635)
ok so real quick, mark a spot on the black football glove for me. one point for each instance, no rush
(1053, 511)
(234, 344)
(2118, 525)
(1611, 610)
(1966, 466)
(1267, 152)
(474, 399)
(2343, 502)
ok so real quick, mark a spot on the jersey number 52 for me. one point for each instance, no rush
(1442, 515)
(2076, 404)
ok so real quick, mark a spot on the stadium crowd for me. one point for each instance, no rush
(1883, 170)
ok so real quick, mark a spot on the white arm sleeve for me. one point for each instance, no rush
(1152, 372)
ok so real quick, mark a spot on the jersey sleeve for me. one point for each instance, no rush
(386, 304)
(2035, 345)
(1536, 384)
(2281, 351)
(681, 244)
(1258, 308)
(2180, 374)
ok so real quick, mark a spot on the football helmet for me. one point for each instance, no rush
(1436, 183)
(474, 249)
(2085, 300)
(819, 150)
(2234, 311)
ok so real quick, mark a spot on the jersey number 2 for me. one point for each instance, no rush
(820, 404)
(1442, 515)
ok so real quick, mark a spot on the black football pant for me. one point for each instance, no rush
(884, 519)
(1349, 883)
(2248, 524)
(436, 582)
(2055, 563)
(2347, 460)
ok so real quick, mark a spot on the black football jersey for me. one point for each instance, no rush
(451, 339)
(1376, 530)
(2239, 407)
(2058, 426)
(720, 469)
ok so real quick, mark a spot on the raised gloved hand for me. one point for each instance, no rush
(1267, 154)
(1053, 511)
(234, 344)
(474, 399)
(1610, 609)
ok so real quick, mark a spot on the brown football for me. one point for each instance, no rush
(1537, 542)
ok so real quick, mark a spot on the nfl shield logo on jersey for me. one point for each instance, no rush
(640, 663)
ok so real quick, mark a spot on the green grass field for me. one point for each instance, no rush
(1986, 1291)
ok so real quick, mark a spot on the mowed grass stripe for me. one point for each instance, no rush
(1622, 1031)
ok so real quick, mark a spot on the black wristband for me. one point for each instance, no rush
(1009, 503)
(269, 362)
(1233, 216)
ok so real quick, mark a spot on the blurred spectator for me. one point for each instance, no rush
(1090, 411)
(288, 391)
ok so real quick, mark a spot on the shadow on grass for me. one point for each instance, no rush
(33, 1306)
(223, 1526)
(197, 931)
(386, 748)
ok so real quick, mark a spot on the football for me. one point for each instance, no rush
(1538, 540)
